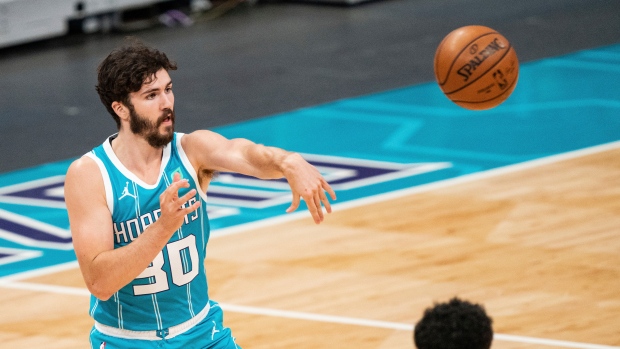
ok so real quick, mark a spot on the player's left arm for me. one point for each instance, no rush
(212, 152)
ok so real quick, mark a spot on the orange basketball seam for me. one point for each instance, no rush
(488, 100)
(483, 73)
(461, 51)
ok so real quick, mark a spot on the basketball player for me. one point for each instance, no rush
(137, 208)
(456, 324)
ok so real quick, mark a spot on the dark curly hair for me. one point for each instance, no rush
(456, 324)
(124, 71)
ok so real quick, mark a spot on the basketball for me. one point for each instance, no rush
(476, 67)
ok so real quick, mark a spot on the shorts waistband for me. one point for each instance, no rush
(166, 333)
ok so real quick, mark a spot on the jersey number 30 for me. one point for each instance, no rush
(181, 270)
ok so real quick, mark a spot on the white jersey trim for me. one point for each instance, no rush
(107, 147)
(168, 333)
(189, 167)
(107, 183)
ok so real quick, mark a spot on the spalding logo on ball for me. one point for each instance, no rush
(476, 67)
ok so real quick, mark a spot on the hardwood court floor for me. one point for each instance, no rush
(539, 246)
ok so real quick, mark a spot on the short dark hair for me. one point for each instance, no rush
(125, 70)
(456, 324)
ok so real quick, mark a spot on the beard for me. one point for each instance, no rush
(150, 130)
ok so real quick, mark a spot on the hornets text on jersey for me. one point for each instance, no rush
(172, 290)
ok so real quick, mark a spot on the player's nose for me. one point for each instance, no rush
(167, 101)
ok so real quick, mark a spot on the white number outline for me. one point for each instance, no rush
(179, 276)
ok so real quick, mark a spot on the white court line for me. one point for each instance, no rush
(395, 325)
(420, 188)
(41, 271)
(312, 317)
(28, 286)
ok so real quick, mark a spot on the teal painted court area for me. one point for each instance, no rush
(366, 146)
(559, 104)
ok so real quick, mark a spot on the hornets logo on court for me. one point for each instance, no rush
(34, 228)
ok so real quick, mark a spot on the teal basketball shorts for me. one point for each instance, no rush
(209, 333)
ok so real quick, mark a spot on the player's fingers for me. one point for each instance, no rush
(294, 203)
(190, 194)
(326, 203)
(312, 208)
(176, 177)
(170, 197)
(181, 183)
(317, 204)
(191, 208)
(173, 189)
(329, 189)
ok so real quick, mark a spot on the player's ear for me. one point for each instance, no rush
(121, 110)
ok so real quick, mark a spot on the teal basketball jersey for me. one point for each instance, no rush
(173, 289)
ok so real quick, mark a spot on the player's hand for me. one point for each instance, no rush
(307, 182)
(173, 210)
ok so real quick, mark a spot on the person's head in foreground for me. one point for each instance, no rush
(456, 324)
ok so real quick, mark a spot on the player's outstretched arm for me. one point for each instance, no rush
(210, 151)
(106, 270)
